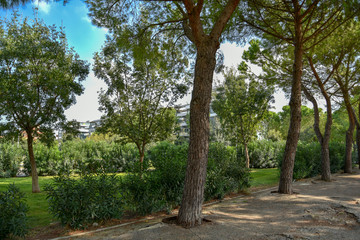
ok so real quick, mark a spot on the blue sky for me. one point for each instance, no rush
(88, 39)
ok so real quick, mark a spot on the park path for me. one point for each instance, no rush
(320, 210)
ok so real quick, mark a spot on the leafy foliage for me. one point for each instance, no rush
(11, 156)
(13, 219)
(161, 188)
(308, 159)
(241, 105)
(80, 202)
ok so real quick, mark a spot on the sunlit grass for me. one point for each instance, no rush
(264, 177)
(38, 206)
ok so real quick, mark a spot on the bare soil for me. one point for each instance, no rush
(320, 210)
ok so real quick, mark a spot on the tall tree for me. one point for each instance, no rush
(40, 77)
(295, 23)
(144, 81)
(202, 23)
(242, 105)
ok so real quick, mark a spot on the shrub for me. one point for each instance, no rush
(226, 172)
(13, 219)
(11, 156)
(80, 202)
(262, 153)
(308, 159)
(160, 187)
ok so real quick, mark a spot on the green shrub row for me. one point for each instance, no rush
(77, 156)
(13, 209)
(80, 202)
(263, 153)
(308, 159)
(160, 187)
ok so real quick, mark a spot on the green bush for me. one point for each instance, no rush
(226, 172)
(161, 186)
(11, 156)
(13, 219)
(80, 202)
(308, 159)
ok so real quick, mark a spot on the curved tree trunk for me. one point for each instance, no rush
(34, 175)
(287, 167)
(323, 140)
(193, 195)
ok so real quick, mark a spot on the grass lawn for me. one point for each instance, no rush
(264, 177)
(38, 205)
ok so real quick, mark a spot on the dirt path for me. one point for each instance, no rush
(321, 210)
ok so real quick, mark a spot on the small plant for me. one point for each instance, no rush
(13, 219)
(80, 202)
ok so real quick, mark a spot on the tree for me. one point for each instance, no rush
(295, 24)
(144, 81)
(242, 105)
(40, 77)
(203, 24)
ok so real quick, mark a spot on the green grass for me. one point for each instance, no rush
(38, 206)
(264, 177)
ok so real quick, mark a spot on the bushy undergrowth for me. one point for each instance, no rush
(263, 153)
(308, 159)
(90, 198)
(83, 157)
(161, 187)
(11, 156)
(13, 209)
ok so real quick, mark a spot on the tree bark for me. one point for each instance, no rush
(191, 205)
(349, 132)
(323, 140)
(287, 167)
(34, 174)
(247, 156)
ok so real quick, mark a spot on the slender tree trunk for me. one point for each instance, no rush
(358, 144)
(349, 146)
(247, 156)
(192, 199)
(349, 132)
(34, 174)
(323, 139)
(358, 134)
(287, 167)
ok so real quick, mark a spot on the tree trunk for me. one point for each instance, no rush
(193, 194)
(34, 175)
(349, 147)
(247, 156)
(287, 167)
(358, 144)
(349, 132)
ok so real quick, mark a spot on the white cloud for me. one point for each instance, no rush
(42, 6)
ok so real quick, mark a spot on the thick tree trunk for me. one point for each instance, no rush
(247, 156)
(287, 167)
(191, 205)
(34, 174)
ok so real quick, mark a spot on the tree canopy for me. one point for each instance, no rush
(40, 76)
